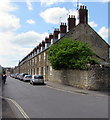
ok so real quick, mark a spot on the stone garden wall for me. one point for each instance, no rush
(97, 78)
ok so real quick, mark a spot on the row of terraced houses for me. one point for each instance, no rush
(36, 62)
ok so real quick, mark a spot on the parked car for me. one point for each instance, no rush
(37, 79)
(22, 75)
(12, 75)
(15, 76)
(27, 78)
(18, 77)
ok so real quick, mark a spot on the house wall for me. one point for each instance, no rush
(96, 78)
(38, 64)
(84, 33)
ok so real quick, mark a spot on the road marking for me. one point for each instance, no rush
(19, 107)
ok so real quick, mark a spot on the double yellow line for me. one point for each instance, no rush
(19, 108)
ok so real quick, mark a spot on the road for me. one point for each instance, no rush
(41, 101)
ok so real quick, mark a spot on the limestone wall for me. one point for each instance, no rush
(95, 79)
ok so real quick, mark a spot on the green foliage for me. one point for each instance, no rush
(68, 54)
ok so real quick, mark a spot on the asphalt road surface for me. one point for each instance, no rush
(41, 101)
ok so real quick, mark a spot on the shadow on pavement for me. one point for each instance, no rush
(6, 110)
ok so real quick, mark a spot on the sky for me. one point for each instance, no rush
(24, 24)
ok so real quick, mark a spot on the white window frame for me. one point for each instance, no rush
(50, 70)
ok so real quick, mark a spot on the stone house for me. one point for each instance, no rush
(36, 62)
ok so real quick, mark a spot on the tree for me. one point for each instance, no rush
(68, 54)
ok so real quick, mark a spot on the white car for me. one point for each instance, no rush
(22, 75)
(37, 79)
(27, 78)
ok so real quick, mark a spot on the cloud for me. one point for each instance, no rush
(60, 15)
(29, 39)
(103, 32)
(6, 6)
(14, 47)
(8, 51)
(8, 22)
(30, 21)
(50, 2)
(93, 24)
(29, 5)
(104, 0)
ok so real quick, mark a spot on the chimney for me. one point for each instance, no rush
(39, 48)
(55, 36)
(63, 30)
(47, 42)
(83, 15)
(71, 22)
(34, 51)
(56, 32)
(42, 45)
(50, 36)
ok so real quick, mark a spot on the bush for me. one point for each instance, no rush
(68, 54)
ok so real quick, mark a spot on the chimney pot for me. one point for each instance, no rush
(40, 45)
(71, 22)
(56, 32)
(83, 15)
(63, 28)
(43, 44)
(50, 36)
(47, 40)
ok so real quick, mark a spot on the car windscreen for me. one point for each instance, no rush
(29, 76)
(38, 77)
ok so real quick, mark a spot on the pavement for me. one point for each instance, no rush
(7, 112)
(71, 89)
